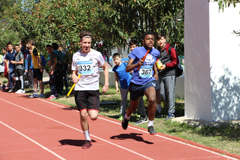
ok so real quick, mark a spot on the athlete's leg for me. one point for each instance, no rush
(93, 114)
(151, 96)
(133, 107)
(83, 120)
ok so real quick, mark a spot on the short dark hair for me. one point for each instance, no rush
(160, 35)
(48, 46)
(147, 33)
(85, 33)
(9, 43)
(23, 41)
(55, 46)
(132, 42)
(32, 42)
(16, 45)
(116, 55)
(5, 48)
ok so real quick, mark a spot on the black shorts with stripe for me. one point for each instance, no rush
(87, 100)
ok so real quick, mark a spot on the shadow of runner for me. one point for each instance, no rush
(134, 136)
(72, 142)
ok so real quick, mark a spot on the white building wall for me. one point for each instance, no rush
(212, 77)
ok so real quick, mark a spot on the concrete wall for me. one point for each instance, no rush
(212, 87)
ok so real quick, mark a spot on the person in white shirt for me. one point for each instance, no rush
(87, 63)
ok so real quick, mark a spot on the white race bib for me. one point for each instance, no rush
(145, 71)
(85, 67)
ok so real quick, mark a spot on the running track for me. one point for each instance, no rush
(41, 129)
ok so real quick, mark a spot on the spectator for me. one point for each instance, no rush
(1, 69)
(19, 60)
(65, 68)
(37, 69)
(10, 56)
(167, 76)
(52, 64)
(124, 78)
(57, 67)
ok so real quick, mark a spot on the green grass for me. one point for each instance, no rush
(224, 138)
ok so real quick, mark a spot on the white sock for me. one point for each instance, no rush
(150, 123)
(159, 108)
(127, 117)
(87, 136)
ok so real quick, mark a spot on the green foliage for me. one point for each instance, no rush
(112, 21)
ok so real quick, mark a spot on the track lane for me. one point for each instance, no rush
(139, 142)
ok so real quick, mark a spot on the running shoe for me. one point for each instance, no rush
(19, 91)
(10, 90)
(142, 120)
(87, 144)
(124, 122)
(151, 130)
(34, 95)
(169, 117)
(41, 96)
(52, 97)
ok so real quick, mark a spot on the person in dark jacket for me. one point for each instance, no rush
(165, 86)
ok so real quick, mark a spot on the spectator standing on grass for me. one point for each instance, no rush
(19, 69)
(167, 76)
(52, 66)
(141, 108)
(58, 68)
(124, 78)
(65, 68)
(37, 69)
(1, 69)
(10, 56)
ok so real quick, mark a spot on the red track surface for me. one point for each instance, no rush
(40, 129)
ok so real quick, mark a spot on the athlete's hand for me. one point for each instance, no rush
(41, 70)
(51, 73)
(117, 90)
(105, 89)
(140, 62)
(75, 79)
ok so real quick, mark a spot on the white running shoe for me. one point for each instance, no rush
(19, 91)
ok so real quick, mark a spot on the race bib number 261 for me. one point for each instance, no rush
(85, 67)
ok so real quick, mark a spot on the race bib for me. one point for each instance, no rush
(145, 71)
(85, 67)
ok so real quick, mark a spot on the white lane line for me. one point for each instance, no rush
(55, 154)
(148, 133)
(77, 129)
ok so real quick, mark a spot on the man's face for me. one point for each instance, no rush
(17, 48)
(148, 41)
(117, 60)
(161, 42)
(49, 50)
(132, 47)
(9, 47)
(86, 45)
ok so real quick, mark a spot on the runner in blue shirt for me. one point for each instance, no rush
(143, 81)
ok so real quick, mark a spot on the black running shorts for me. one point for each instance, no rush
(37, 74)
(87, 100)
